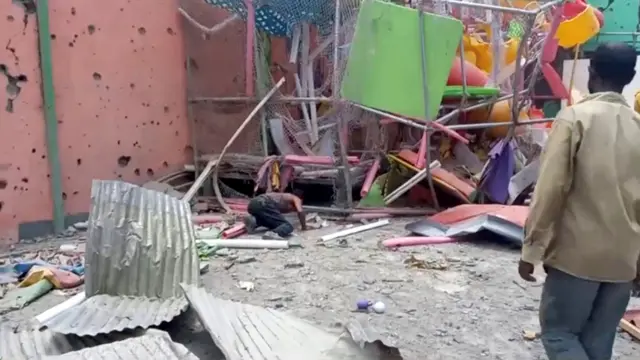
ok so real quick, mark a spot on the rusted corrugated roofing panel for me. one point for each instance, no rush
(154, 345)
(102, 314)
(140, 242)
(34, 344)
(140, 247)
(243, 331)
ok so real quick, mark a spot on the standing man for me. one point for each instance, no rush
(267, 209)
(584, 221)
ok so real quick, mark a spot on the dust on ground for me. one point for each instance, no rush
(462, 301)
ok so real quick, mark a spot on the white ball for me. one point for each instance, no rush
(378, 307)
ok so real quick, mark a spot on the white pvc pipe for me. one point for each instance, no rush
(295, 45)
(354, 230)
(64, 306)
(246, 243)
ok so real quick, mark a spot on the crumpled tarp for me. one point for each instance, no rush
(140, 247)
(10, 273)
(243, 331)
(60, 279)
(16, 299)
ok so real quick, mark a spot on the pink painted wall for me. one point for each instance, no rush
(24, 188)
(120, 81)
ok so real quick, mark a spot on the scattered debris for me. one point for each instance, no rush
(246, 285)
(530, 335)
(354, 230)
(415, 263)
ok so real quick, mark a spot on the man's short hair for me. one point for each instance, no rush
(614, 62)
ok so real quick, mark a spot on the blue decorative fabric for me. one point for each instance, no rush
(279, 17)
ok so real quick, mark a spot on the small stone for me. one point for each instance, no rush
(294, 265)
(529, 335)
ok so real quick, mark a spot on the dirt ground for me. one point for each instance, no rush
(467, 304)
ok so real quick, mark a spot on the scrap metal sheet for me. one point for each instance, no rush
(140, 242)
(243, 331)
(102, 314)
(140, 247)
(35, 344)
(155, 345)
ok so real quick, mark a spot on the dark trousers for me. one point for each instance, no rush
(266, 213)
(579, 318)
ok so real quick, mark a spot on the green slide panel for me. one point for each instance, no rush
(384, 68)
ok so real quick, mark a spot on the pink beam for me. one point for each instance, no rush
(368, 180)
(550, 47)
(251, 32)
(234, 231)
(207, 218)
(418, 240)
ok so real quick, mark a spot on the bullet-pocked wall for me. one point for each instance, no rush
(120, 90)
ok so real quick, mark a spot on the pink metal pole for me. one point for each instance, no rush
(368, 180)
(251, 33)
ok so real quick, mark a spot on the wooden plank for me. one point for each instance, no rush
(630, 328)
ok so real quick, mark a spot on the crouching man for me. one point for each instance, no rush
(267, 210)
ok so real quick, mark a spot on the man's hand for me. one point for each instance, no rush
(526, 271)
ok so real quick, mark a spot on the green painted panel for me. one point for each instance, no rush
(620, 16)
(384, 68)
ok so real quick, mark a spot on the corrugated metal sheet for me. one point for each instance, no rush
(140, 247)
(243, 331)
(32, 345)
(102, 314)
(154, 345)
(140, 242)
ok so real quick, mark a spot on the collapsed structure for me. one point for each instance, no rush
(431, 104)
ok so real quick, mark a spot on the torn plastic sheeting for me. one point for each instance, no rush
(155, 344)
(102, 314)
(18, 298)
(512, 232)
(523, 180)
(243, 331)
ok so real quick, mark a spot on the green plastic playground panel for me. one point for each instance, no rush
(384, 67)
(472, 91)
